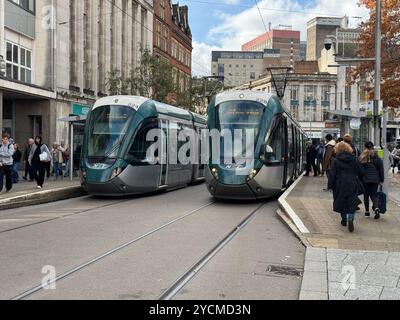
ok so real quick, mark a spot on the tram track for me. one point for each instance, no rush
(182, 281)
(117, 202)
(109, 253)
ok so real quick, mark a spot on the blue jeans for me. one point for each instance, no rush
(15, 172)
(58, 169)
(348, 216)
(67, 169)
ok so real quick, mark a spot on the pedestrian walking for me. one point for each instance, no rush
(329, 155)
(311, 159)
(342, 180)
(39, 157)
(349, 140)
(6, 163)
(320, 157)
(16, 162)
(57, 160)
(28, 168)
(396, 158)
(373, 176)
(67, 156)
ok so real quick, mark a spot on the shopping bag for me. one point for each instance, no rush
(43, 157)
(381, 201)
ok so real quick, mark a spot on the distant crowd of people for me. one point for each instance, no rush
(39, 162)
(350, 173)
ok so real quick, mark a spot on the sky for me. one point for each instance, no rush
(227, 24)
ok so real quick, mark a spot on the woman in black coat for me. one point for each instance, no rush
(374, 174)
(343, 180)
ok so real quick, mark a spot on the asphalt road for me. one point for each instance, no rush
(137, 248)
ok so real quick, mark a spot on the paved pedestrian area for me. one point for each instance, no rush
(26, 187)
(351, 275)
(315, 208)
(364, 265)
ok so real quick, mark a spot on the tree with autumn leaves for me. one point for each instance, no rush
(390, 50)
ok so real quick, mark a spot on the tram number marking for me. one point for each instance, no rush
(263, 101)
(133, 105)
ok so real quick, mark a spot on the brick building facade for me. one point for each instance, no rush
(172, 39)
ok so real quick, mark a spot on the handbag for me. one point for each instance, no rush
(381, 200)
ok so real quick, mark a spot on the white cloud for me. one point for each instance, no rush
(232, 1)
(233, 30)
(201, 61)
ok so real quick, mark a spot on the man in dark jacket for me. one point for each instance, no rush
(28, 168)
(311, 158)
(374, 174)
(343, 181)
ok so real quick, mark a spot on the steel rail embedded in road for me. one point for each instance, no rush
(109, 253)
(117, 202)
(193, 271)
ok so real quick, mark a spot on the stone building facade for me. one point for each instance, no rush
(237, 67)
(58, 56)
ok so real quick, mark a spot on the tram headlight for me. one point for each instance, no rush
(214, 172)
(116, 172)
(253, 174)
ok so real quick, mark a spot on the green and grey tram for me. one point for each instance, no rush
(115, 149)
(279, 146)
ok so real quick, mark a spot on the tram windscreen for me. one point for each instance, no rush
(240, 116)
(108, 128)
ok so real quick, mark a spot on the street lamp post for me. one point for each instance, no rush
(377, 100)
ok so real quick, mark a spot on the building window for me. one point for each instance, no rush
(164, 39)
(18, 63)
(252, 75)
(294, 93)
(310, 93)
(174, 49)
(162, 9)
(28, 5)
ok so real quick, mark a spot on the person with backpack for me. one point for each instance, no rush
(39, 157)
(373, 176)
(6, 163)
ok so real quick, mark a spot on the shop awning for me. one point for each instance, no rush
(349, 113)
(73, 119)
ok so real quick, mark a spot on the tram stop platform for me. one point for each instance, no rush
(342, 265)
(26, 194)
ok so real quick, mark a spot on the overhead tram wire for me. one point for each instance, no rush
(261, 8)
(265, 27)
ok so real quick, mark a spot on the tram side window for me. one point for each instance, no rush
(274, 149)
(138, 152)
